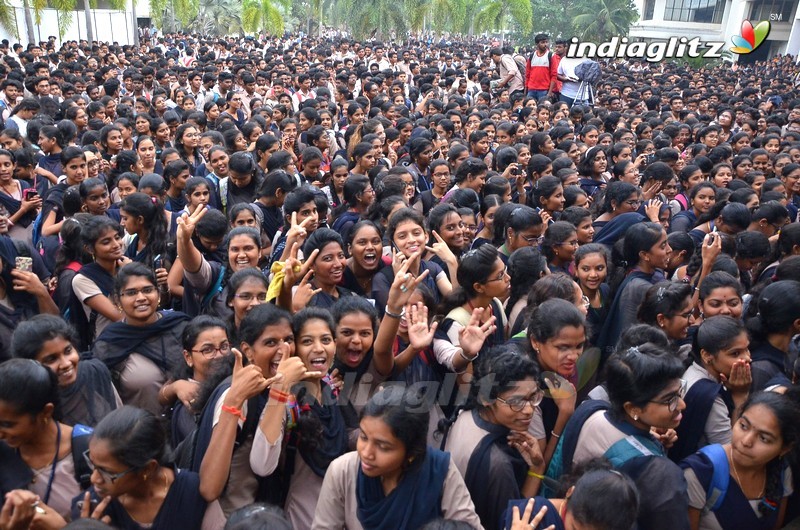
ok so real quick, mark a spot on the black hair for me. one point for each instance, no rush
(639, 374)
(605, 500)
(198, 325)
(555, 235)
(29, 337)
(348, 305)
(751, 245)
(132, 270)
(259, 318)
(550, 317)
(544, 188)
(616, 193)
(134, 436)
(94, 229)
(475, 267)
(526, 266)
(152, 214)
(402, 411)
(664, 298)
(320, 238)
(639, 334)
(778, 307)
(28, 386)
(787, 414)
(715, 334)
(717, 280)
(640, 237)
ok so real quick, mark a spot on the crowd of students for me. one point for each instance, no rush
(314, 283)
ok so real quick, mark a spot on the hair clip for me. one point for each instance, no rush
(154, 199)
(769, 504)
(661, 292)
(634, 350)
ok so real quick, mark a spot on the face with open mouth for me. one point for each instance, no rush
(367, 247)
(329, 265)
(59, 355)
(243, 252)
(275, 343)
(354, 338)
(316, 345)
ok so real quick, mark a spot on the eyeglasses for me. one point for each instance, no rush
(107, 477)
(672, 402)
(130, 293)
(634, 203)
(248, 297)
(502, 277)
(209, 350)
(533, 240)
(517, 404)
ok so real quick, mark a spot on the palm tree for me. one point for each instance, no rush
(600, 20)
(26, 8)
(493, 14)
(376, 18)
(264, 15)
(8, 19)
(218, 17)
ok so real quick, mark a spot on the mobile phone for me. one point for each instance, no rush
(24, 263)
(650, 158)
(158, 262)
(516, 171)
(29, 194)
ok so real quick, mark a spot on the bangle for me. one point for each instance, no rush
(277, 395)
(393, 315)
(532, 473)
(235, 411)
(556, 436)
(468, 359)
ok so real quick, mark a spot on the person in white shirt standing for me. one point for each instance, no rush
(510, 76)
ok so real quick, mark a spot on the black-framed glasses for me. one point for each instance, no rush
(107, 477)
(517, 404)
(634, 203)
(672, 402)
(209, 351)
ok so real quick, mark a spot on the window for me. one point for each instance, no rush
(649, 8)
(702, 11)
(774, 10)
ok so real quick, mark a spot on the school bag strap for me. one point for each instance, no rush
(720, 479)
(81, 434)
(215, 289)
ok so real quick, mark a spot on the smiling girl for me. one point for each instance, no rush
(84, 385)
(317, 434)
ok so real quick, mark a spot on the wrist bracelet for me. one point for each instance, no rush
(277, 395)
(393, 315)
(556, 436)
(532, 473)
(468, 359)
(235, 411)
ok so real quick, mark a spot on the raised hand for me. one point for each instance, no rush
(87, 512)
(652, 209)
(472, 337)
(420, 333)
(404, 284)
(297, 231)
(441, 249)
(528, 448)
(740, 379)
(247, 381)
(524, 521)
(188, 222)
(293, 268)
(304, 293)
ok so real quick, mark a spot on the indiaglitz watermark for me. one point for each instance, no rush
(674, 48)
(624, 48)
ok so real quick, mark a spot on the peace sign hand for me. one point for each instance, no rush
(441, 249)
(304, 293)
(188, 222)
(297, 232)
(293, 268)
(404, 284)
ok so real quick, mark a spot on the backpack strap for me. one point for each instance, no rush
(215, 289)
(718, 487)
(74, 266)
(81, 434)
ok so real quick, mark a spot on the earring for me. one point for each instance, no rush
(635, 417)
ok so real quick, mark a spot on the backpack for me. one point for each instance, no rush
(718, 487)
(522, 63)
(589, 72)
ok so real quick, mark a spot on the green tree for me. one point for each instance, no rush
(553, 18)
(218, 17)
(264, 15)
(376, 18)
(503, 14)
(600, 20)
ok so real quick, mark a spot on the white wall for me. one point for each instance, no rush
(108, 26)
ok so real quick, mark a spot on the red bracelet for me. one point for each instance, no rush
(233, 410)
(277, 395)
